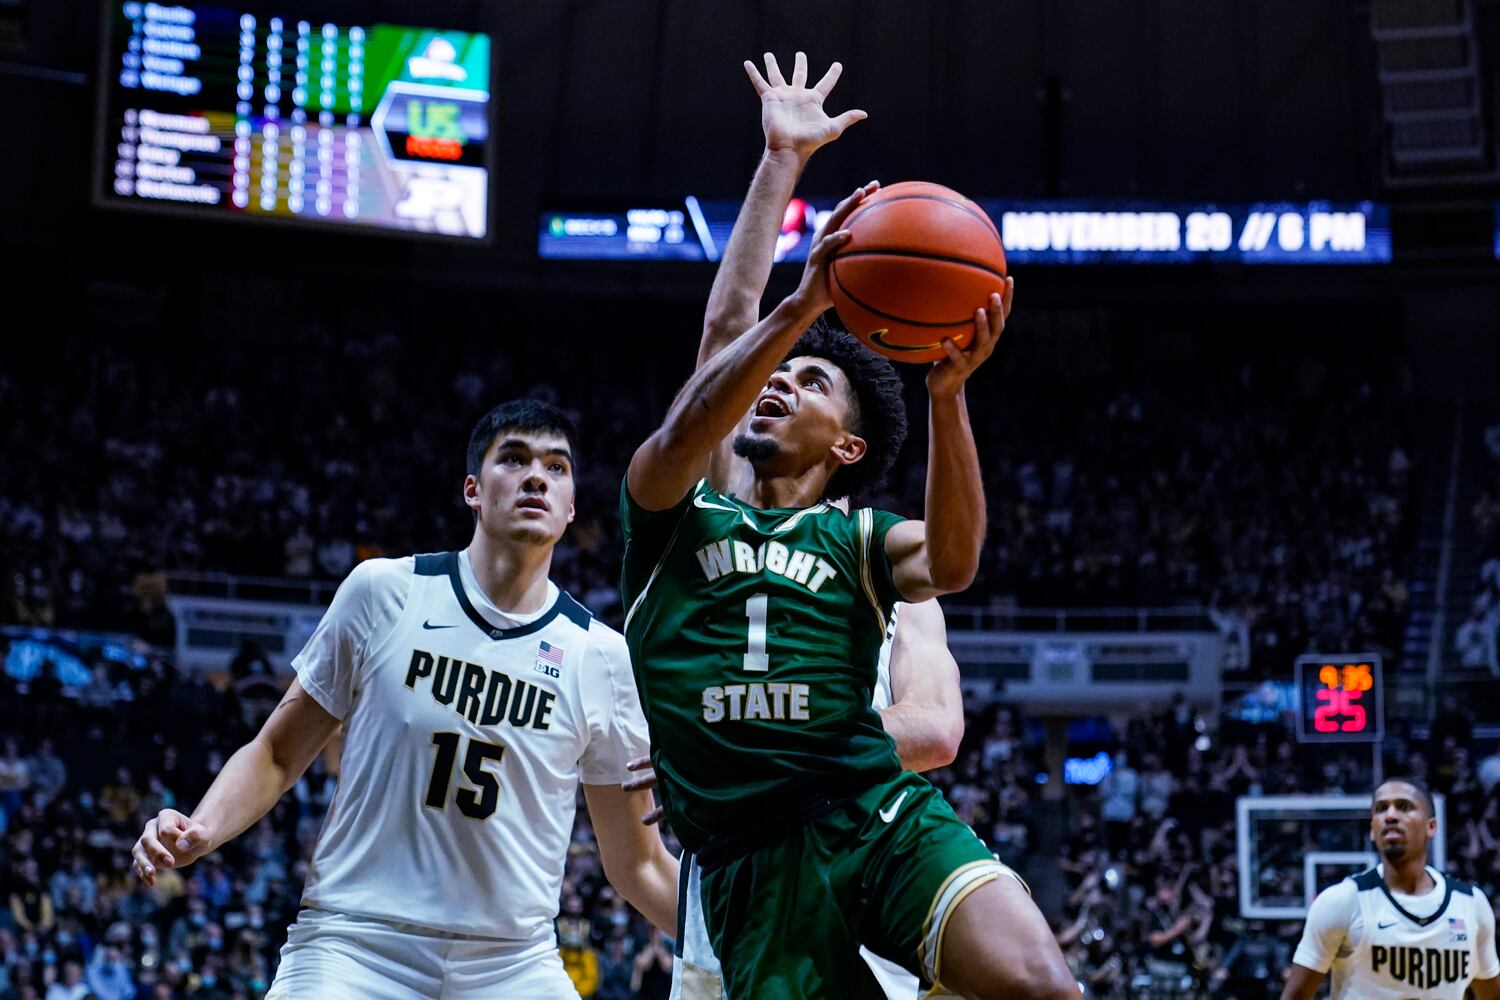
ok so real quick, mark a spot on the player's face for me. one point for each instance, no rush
(524, 490)
(1399, 821)
(799, 419)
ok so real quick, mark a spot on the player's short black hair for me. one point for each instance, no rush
(1424, 794)
(519, 415)
(877, 412)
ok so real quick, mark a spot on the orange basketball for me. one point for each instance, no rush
(920, 259)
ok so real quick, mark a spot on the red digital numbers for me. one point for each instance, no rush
(1339, 703)
(1340, 694)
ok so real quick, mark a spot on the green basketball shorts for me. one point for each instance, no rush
(885, 869)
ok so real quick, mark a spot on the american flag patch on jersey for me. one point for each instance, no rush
(1455, 924)
(549, 659)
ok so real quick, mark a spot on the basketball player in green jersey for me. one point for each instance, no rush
(756, 611)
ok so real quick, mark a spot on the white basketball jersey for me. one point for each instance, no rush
(467, 735)
(1388, 948)
(882, 697)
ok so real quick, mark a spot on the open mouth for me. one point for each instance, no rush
(533, 503)
(771, 406)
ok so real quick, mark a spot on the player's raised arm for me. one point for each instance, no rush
(926, 714)
(258, 774)
(941, 554)
(667, 465)
(795, 126)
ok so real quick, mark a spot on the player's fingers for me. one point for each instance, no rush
(799, 70)
(756, 80)
(997, 317)
(825, 85)
(653, 817)
(773, 71)
(1009, 295)
(638, 763)
(982, 326)
(848, 118)
(955, 355)
(193, 839)
(153, 849)
(144, 870)
(647, 780)
(845, 208)
(826, 246)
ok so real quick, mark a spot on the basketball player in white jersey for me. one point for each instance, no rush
(921, 706)
(475, 696)
(1402, 929)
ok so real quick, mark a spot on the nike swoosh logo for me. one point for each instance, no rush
(429, 625)
(1384, 926)
(879, 337)
(890, 814)
(699, 501)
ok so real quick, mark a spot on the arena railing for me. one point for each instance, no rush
(1184, 618)
(231, 586)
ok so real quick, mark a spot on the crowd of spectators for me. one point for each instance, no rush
(1264, 476)
(1138, 874)
(1477, 638)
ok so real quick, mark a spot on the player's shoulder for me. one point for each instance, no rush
(1343, 895)
(604, 644)
(383, 575)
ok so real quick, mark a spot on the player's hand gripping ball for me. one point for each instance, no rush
(921, 258)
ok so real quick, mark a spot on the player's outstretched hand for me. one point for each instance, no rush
(171, 840)
(813, 291)
(947, 378)
(791, 114)
(645, 779)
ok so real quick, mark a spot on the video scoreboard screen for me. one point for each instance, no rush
(1034, 232)
(228, 112)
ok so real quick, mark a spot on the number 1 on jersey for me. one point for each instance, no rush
(756, 658)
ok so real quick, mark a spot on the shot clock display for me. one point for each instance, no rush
(1340, 698)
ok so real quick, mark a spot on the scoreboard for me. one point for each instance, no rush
(1341, 698)
(221, 112)
(1033, 232)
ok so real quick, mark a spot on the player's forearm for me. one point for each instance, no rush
(650, 885)
(923, 742)
(720, 392)
(744, 270)
(244, 791)
(955, 513)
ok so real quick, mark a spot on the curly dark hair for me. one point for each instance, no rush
(877, 411)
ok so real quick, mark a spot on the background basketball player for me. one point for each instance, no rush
(1402, 929)
(476, 696)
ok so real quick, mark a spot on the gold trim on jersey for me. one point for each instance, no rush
(865, 519)
(955, 889)
(796, 518)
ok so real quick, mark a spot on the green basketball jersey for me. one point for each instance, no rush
(755, 636)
